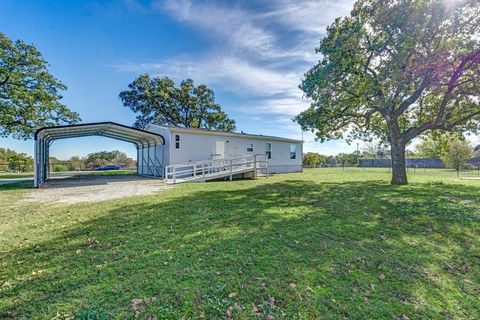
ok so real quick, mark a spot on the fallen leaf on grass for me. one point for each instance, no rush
(136, 303)
(230, 312)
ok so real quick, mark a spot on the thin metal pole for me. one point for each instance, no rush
(35, 166)
(138, 162)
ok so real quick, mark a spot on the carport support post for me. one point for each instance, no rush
(148, 159)
(47, 160)
(44, 161)
(35, 167)
(143, 159)
(138, 158)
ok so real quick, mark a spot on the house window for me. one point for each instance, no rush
(177, 141)
(293, 151)
(268, 150)
(249, 147)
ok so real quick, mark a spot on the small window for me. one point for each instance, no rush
(177, 141)
(249, 147)
(293, 151)
(268, 150)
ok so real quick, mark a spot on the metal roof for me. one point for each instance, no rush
(107, 129)
(224, 133)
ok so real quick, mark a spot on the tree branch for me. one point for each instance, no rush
(414, 97)
(452, 84)
(452, 125)
(4, 81)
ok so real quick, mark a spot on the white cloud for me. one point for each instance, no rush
(289, 105)
(233, 25)
(234, 74)
(310, 16)
(259, 53)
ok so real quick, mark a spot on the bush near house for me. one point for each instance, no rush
(313, 159)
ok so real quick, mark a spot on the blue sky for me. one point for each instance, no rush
(253, 54)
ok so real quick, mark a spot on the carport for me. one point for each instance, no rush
(149, 145)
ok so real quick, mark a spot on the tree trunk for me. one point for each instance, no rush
(399, 172)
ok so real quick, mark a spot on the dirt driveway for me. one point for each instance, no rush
(94, 188)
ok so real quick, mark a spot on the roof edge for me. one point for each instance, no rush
(38, 131)
(216, 132)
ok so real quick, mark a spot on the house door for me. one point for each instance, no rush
(220, 148)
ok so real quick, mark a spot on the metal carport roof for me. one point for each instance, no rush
(108, 129)
(143, 140)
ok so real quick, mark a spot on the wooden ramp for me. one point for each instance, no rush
(216, 169)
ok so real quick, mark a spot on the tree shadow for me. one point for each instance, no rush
(356, 250)
(16, 185)
(91, 180)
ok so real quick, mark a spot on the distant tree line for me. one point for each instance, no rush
(92, 161)
(10, 160)
(452, 148)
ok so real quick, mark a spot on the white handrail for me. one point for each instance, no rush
(217, 167)
(209, 161)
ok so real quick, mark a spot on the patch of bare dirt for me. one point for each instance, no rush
(93, 189)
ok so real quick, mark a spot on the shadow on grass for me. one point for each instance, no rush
(292, 249)
(82, 180)
(16, 185)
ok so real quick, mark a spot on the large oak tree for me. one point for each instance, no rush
(396, 70)
(159, 101)
(29, 95)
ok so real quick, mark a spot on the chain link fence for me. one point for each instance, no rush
(471, 173)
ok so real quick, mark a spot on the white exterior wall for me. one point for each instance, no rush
(198, 146)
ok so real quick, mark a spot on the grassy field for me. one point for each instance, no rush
(323, 244)
(14, 175)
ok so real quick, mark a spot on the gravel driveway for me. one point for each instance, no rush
(94, 188)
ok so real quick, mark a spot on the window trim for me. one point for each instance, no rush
(268, 150)
(293, 154)
(177, 141)
(249, 144)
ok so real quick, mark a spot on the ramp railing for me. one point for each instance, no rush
(216, 168)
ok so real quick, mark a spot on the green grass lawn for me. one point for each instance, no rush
(326, 243)
(8, 175)
(14, 175)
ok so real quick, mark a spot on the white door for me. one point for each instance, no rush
(220, 148)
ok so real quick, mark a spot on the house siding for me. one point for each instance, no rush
(196, 146)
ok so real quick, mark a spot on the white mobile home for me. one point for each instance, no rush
(182, 154)
(187, 145)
